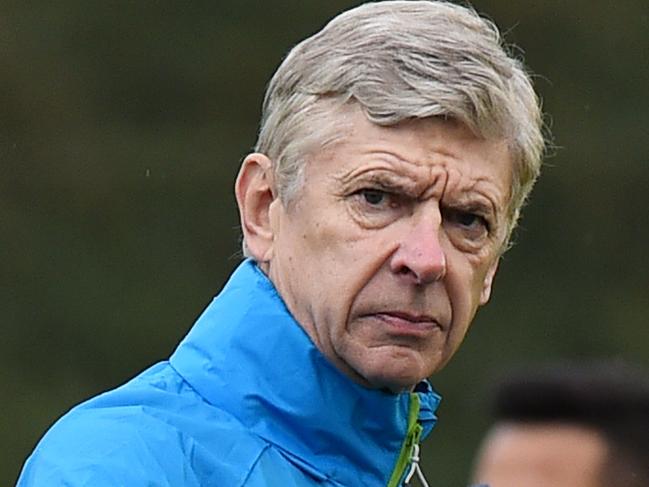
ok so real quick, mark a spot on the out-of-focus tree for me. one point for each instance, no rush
(122, 125)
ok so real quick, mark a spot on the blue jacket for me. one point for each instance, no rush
(245, 400)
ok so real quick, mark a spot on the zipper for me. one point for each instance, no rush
(408, 458)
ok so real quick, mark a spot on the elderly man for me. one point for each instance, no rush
(569, 425)
(396, 149)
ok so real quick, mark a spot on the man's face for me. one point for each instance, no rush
(541, 456)
(391, 245)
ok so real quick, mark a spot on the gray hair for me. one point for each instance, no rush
(401, 60)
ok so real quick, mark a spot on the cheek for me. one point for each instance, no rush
(346, 262)
(477, 269)
(319, 258)
(464, 284)
(333, 245)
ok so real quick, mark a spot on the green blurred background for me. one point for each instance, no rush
(122, 124)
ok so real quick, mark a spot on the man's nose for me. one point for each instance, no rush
(420, 258)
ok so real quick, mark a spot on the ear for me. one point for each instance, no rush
(255, 193)
(485, 293)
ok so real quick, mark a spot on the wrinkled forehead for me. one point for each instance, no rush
(347, 125)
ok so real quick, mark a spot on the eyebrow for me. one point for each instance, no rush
(388, 180)
(474, 206)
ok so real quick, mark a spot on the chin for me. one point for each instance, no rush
(395, 368)
(397, 379)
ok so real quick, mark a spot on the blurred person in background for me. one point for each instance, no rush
(396, 149)
(569, 425)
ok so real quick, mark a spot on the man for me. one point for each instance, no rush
(396, 149)
(569, 426)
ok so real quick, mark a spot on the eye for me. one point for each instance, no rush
(375, 207)
(467, 219)
(373, 196)
(474, 224)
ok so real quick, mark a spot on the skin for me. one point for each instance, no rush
(544, 455)
(390, 246)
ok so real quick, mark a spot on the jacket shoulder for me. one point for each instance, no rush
(153, 431)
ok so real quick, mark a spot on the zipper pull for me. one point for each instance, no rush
(415, 468)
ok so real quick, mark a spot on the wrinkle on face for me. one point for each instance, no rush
(332, 252)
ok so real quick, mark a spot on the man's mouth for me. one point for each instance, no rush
(408, 323)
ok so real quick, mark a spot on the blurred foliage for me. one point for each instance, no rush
(121, 130)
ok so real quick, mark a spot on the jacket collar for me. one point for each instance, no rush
(247, 355)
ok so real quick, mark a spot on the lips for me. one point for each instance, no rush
(404, 322)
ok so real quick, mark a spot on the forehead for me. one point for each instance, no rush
(419, 152)
(560, 455)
